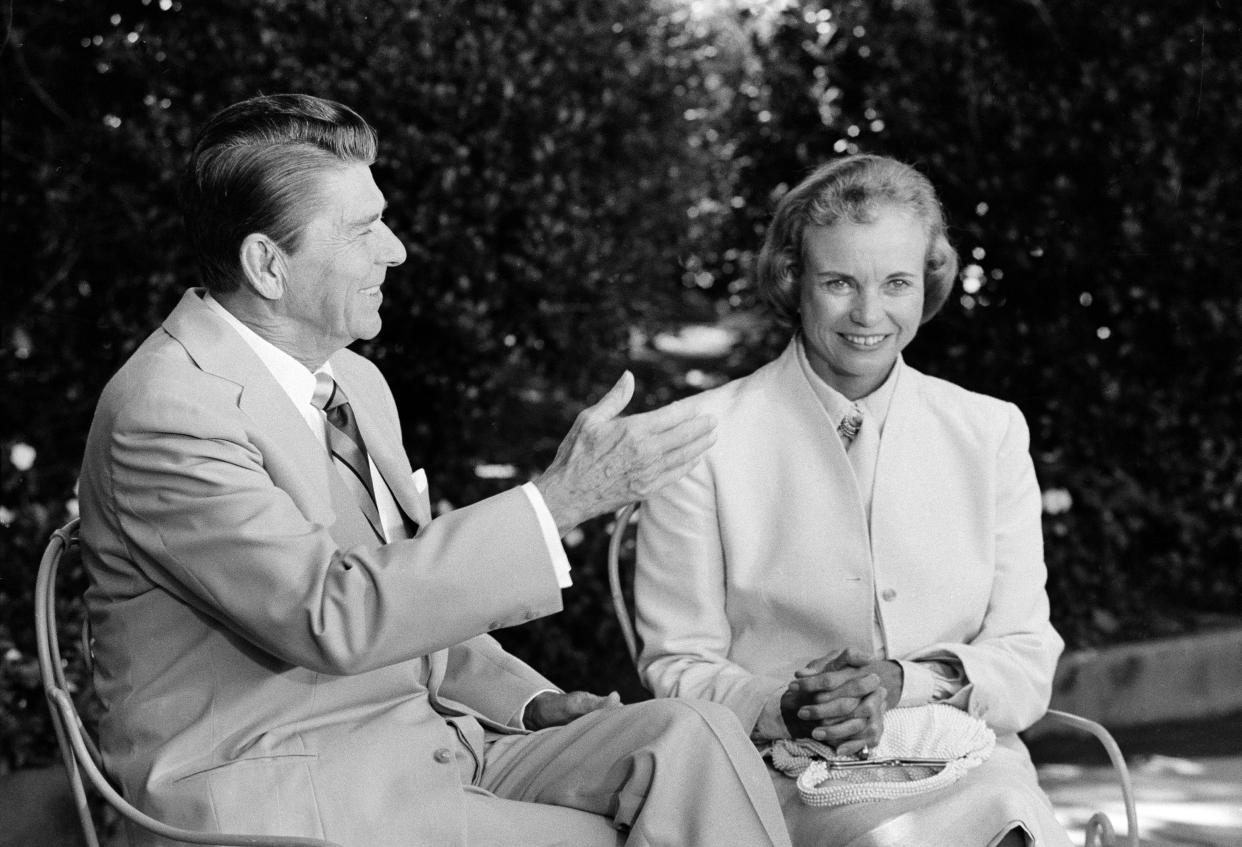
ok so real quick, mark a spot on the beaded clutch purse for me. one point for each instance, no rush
(923, 748)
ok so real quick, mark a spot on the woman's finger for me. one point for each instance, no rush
(850, 682)
(830, 711)
(840, 732)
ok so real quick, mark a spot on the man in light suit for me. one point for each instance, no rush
(286, 641)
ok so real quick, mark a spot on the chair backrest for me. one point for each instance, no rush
(81, 755)
(64, 542)
(625, 619)
(1099, 829)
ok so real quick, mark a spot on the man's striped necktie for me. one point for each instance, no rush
(349, 454)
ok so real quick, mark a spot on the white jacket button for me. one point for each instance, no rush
(443, 755)
(888, 594)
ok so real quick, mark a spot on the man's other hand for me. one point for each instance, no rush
(607, 461)
(554, 708)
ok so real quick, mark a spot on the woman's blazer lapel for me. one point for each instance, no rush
(931, 517)
(897, 463)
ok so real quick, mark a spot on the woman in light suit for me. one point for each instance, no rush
(861, 537)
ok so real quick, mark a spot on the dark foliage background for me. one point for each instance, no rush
(573, 178)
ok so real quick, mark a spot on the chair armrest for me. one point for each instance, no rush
(1100, 823)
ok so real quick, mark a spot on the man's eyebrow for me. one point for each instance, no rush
(359, 223)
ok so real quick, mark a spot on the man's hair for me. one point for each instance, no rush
(255, 167)
(857, 189)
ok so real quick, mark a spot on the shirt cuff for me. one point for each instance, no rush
(929, 682)
(560, 562)
(771, 723)
(917, 684)
(518, 721)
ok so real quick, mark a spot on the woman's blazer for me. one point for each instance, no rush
(760, 560)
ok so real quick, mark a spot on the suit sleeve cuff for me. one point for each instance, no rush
(771, 723)
(518, 721)
(560, 562)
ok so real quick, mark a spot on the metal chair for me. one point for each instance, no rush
(80, 753)
(1099, 828)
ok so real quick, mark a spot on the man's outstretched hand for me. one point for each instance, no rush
(555, 708)
(607, 461)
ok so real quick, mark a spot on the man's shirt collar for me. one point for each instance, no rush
(294, 378)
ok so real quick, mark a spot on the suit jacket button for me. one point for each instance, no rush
(888, 594)
(443, 755)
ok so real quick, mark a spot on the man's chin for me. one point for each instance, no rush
(370, 329)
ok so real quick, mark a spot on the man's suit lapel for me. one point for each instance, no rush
(383, 442)
(217, 349)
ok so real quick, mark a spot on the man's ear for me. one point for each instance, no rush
(263, 263)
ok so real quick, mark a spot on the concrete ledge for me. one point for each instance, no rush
(1173, 679)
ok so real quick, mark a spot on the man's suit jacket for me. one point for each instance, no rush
(264, 666)
(760, 559)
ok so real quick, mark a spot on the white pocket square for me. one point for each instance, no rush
(422, 504)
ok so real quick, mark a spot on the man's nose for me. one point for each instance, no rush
(393, 251)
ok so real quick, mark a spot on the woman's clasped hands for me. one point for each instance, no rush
(840, 700)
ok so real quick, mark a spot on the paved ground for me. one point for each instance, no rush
(1182, 802)
(1187, 780)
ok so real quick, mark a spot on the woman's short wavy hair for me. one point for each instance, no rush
(853, 188)
(256, 167)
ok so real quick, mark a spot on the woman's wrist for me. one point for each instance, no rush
(893, 678)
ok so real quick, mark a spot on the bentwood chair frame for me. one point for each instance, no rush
(83, 762)
(1099, 828)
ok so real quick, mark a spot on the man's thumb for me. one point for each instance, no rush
(617, 398)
